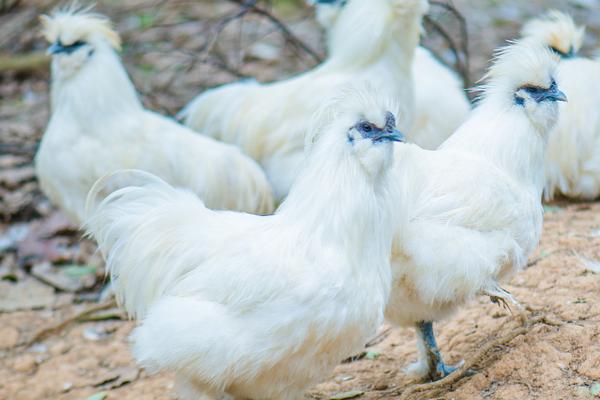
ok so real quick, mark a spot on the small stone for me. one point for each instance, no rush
(39, 348)
(25, 364)
(25, 295)
(380, 386)
(59, 348)
(590, 368)
(41, 358)
(372, 355)
(70, 278)
(98, 332)
(9, 337)
(67, 386)
(343, 378)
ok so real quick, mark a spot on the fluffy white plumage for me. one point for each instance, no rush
(269, 121)
(474, 209)
(572, 158)
(98, 125)
(249, 306)
(441, 104)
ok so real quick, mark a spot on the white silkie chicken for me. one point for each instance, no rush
(269, 121)
(573, 155)
(258, 307)
(98, 125)
(474, 210)
(441, 104)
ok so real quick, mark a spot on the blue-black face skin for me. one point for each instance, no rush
(59, 48)
(540, 94)
(336, 2)
(562, 54)
(389, 133)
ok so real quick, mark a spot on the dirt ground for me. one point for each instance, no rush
(48, 273)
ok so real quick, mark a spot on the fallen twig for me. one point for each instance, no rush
(29, 62)
(59, 326)
(379, 337)
(437, 386)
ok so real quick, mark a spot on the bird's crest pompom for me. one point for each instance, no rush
(521, 63)
(351, 103)
(556, 30)
(75, 23)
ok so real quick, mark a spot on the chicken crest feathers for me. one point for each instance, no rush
(74, 23)
(354, 101)
(556, 30)
(522, 62)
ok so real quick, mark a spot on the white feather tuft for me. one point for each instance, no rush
(76, 23)
(556, 30)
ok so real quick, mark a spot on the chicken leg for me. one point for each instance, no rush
(436, 368)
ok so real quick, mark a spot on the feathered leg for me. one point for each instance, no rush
(436, 368)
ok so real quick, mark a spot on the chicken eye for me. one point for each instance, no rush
(533, 89)
(366, 127)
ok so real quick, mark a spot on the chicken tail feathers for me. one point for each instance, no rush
(142, 226)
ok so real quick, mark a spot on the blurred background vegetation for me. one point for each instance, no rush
(174, 49)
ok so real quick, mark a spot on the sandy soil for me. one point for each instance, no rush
(92, 356)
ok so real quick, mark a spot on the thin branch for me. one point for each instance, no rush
(464, 33)
(29, 62)
(435, 387)
(462, 61)
(285, 31)
(59, 326)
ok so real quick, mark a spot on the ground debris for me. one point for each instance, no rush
(25, 295)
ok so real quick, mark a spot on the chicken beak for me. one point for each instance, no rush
(393, 135)
(557, 95)
(552, 94)
(55, 48)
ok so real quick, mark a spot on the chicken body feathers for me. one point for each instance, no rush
(441, 104)
(470, 225)
(573, 160)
